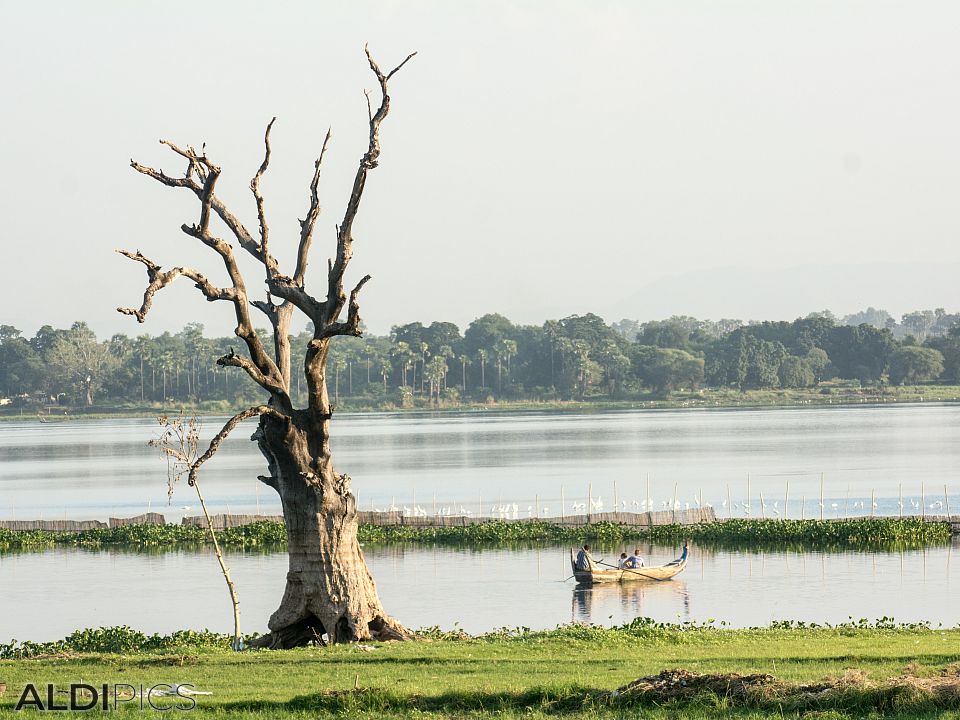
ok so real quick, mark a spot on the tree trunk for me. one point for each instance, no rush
(330, 596)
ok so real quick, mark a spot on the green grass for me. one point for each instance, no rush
(567, 672)
(859, 534)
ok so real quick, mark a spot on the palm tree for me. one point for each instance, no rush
(446, 352)
(402, 352)
(582, 352)
(505, 349)
(339, 363)
(424, 351)
(142, 347)
(435, 373)
(464, 361)
(551, 328)
(385, 369)
(482, 354)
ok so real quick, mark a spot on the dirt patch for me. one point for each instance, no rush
(172, 660)
(683, 684)
(761, 689)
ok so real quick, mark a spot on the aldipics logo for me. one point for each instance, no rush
(161, 697)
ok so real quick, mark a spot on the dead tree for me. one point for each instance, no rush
(329, 592)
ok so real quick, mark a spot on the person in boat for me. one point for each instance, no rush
(622, 562)
(635, 560)
(583, 561)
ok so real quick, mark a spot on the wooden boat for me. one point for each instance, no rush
(604, 574)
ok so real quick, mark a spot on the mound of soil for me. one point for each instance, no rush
(760, 689)
(680, 683)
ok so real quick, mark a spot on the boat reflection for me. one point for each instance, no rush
(598, 604)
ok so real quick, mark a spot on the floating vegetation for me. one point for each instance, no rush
(855, 534)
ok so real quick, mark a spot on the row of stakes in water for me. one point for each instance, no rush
(774, 509)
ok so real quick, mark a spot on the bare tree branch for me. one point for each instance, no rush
(227, 429)
(267, 382)
(268, 260)
(310, 221)
(199, 165)
(200, 177)
(160, 176)
(159, 279)
(352, 325)
(336, 298)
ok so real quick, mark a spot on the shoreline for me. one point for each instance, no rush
(836, 397)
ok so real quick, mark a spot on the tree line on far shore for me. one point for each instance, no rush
(580, 357)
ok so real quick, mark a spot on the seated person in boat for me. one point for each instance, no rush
(622, 562)
(635, 560)
(584, 561)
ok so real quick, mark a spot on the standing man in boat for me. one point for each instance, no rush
(584, 561)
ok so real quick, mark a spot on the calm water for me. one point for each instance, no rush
(99, 468)
(93, 469)
(45, 596)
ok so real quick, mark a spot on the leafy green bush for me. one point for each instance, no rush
(120, 639)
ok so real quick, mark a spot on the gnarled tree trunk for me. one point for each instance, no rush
(330, 595)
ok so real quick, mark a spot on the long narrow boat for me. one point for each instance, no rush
(600, 574)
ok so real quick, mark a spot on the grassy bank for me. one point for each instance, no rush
(851, 671)
(827, 394)
(859, 534)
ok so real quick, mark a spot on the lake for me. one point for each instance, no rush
(45, 596)
(481, 461)
(486, 462)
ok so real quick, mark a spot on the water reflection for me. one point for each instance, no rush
(629, 600)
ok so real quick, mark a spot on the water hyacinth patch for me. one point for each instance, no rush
(857, 534)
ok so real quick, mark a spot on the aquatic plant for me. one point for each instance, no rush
(857, 534)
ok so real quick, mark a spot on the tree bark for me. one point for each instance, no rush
(330, 596)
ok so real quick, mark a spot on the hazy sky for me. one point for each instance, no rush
(541, 158)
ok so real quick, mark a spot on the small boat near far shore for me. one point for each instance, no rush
(599, 574)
